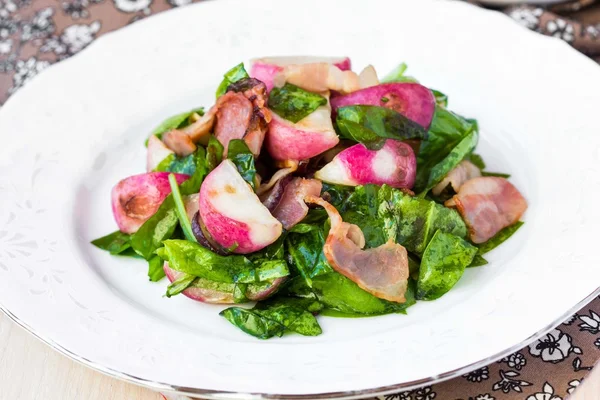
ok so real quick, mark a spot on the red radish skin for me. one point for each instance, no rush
(305, 139)
(394, 164)
(157, 151)
(136, 198)
(412, 100)
(233, 214)
(265, 69)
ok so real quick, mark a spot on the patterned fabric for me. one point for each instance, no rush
(37, 33)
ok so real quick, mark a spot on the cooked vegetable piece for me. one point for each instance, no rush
(293, 103)
(233, 214)
(440, 98)
(478, 261)
(266, 69)
(318, 77)
(136, 198)
(291, 208)
(397, 75)
(243, 159)
(412, 100)
(274, 318)
(306, 252)
(157, 153)
(488, 205)
(174, 122)
(393, 164)
(499, 238)
(382, 271)
(464, 171)
(443, 264)
(155, 269)
(371, 125)
(115, 243)
(214, 153)
(233, 75)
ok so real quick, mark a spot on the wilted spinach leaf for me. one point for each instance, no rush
(155, 269)
(293, 103)
(179, 165)
(478, 261)
(371, 125)
(499, 238)
(175, 122)
(440, 98)
(242, 157)
(496, 174)
(115, 243)
(275, 317)
(306, 252)
(214, 153)
(443, 263)
(477, 160)
(233, 75)
(397, 75)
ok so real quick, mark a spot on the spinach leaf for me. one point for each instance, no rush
(179, 165)
(233, 75)
(443, 263)
(336, 195)
(115, 243)
(306, 253)
(193, 259)
(477, 160)
(339, 293)
(275, 317)
(371, 125)
(478, 261)
(175, 122)
(184, 220)
(242, 157)
(180, 284)
(163, 223)
(397, 75)
(497, 174)
(293, 103)
(214, 153)
(446, 132)
(456, 155)
(440, 98)
(155, 269)
(499, 238)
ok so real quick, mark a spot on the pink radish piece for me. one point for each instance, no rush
(305, 139)
(207, 292)
(135, 199)
(233, 214)
(394, 164)
(157, 151)
(265, 69)
(412, 100)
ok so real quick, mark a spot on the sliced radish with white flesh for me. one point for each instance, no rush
(265, 69)
(233, 214)
(157, 151)
(304, 139)
(135, 199)
(412, 100)
(394, 164)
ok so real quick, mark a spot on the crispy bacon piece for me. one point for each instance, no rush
(457, 177)
(488, 204)
(319, 77)
(382, 271)
(291, 208)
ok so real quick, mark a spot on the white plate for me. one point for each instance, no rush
(74, 131)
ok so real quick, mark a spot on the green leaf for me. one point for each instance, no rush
(477, 160)
(456, 155)
(184, 221)
(478, 261)
(306, 252)
(233, 75)
(274, 318)
(179, 165)
(175, 121)
(371, 125)
(397, 75)
(293, 103)
(163, 223)
(115, 243)
(214, 153)
(155, 269)
(443, 263)
(499, 238)
(496, 174)
(440, 98)
(180, 284)
(242, 157)
(446, 132)
(303, 228)
(193, 259)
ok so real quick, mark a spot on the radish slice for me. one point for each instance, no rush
(412, 100)
(368, 77)
(394, 164)
(265, 69)
(135, 199)
(233, 214)
(305, 139)
(157, 151)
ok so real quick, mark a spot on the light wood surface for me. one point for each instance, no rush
(30, 370)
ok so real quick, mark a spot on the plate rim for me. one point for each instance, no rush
(355, 394)
(210, 394)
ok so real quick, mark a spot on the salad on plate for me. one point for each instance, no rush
(308, 189)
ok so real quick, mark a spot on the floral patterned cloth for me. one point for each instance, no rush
(37, 33)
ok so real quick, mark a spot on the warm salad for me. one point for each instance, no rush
(310, 189)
